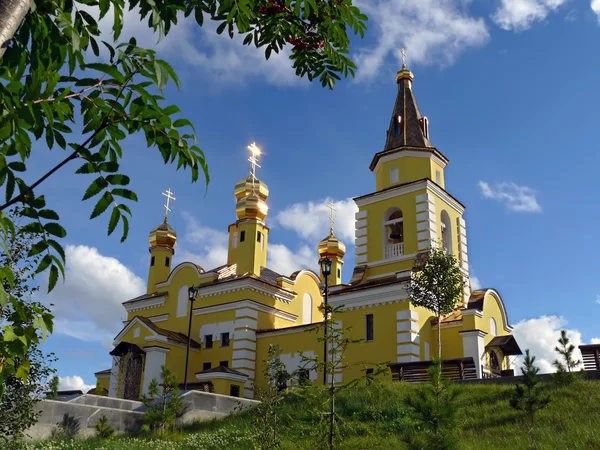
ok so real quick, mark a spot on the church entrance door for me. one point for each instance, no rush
(132, 376)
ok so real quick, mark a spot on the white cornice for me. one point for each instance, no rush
(409, 153)
(383, 262)
(372, 296)
(249, 284)
(400, 190)
(221, 376)
(246, 304)
(160, 318)
(129, 326)
(139, 305)
(284, 331)
(472, 312)
(470, 333)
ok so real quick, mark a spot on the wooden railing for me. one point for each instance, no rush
(394, 250)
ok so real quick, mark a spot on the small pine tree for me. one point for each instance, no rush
(266, 423)
(53, 387)
(165, 407)
(435, 411)
(564, 375)
(527, 396)
(103, 429)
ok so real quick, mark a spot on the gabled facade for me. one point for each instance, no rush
(243, 307)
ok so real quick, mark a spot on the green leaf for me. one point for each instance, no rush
(3, 296)
(101, 205)
(38, 248)
(55, 229)
(48, 214)
(125, 228)
(95, 188)
(58, 248)
(53, 278)
(44, 263)
(114, 220)
(9, 333)
(118, 179)
(107, 69)
(126, 193)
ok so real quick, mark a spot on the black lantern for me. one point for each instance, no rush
(326, 267)
(192, 293)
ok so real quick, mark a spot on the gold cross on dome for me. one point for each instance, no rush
(332, 210)
(403, 53)
(255, 153)
(170, 197)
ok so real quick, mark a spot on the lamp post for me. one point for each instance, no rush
(326, 271)
(192, 293)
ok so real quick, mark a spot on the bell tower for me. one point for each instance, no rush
(249, 235)
(410, 210)
(163, 240)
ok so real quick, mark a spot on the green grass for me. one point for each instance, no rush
(374, 417)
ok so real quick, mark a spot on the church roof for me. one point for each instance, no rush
(145, 297)
(222, 369)
(171, 335)
(406, 125)
(227, 273)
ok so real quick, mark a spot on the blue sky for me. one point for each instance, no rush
(510, 90)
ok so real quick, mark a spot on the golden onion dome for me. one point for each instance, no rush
(163, 236)
(243, 188)
(331, 247)
(251, 207)
(404, 74)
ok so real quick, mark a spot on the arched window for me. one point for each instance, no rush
(446, 232)
(393, 233)
(182, 301)
(306, 308)
(493, 327)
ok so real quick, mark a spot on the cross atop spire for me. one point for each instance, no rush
(169, 196)
(403, 53)
(332, 210)
(255, 153)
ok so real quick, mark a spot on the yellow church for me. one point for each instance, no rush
(235, 312)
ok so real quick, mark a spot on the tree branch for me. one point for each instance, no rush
(12, 13)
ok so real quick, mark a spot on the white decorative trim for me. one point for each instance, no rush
(360, 241)
(371, 297)
(409, 314)
(160, 318)
(361, 250)
(407, 325)
(246, 284)
(362, 223)
(155, 359)
(426, 216)
(244, 354)
(383, 262)
(408, 349)
(177, 269)
(408, 337)
(128, 327)
(156, 337)
(404, 273)
(148, 303)
(360, 259)
(360, 215)
(409, 153)
(246, 304)
(472, 312)
(243, 364)
(221, 376)
(426, 207)
(284, 331)
(383, 275)
(244, 335)
(246, 312)
(360, 232)
(408, 359)
(244, 344)
(395, 192)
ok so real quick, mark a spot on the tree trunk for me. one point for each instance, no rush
(439, 337)
(12, 13)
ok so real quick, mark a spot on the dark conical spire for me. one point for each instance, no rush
(408, 128)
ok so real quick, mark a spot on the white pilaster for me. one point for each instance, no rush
(473, 347)
(113, 387)
(407, 336)
(244, 345)
(155, 359)
(426, 221)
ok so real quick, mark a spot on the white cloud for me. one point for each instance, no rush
(310, 220)
(432, 31)
(598, 299)
(74, 383)
(475, 283)
(201, 245)
(595, 5)
(540, 336)
(595, 341)
(515, 198)
(87, 305)
(285, 261)
(223, 59)
(518, 15)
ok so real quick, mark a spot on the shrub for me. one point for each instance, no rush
(103, 429)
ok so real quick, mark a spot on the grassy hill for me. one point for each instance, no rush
(375, 417)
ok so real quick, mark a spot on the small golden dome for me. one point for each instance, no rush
(251, 207)
(331, 247)
(404, 74)
(163, 236)
(244, 188)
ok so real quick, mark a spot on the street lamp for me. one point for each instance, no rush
(192, 293)
(326, 271)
